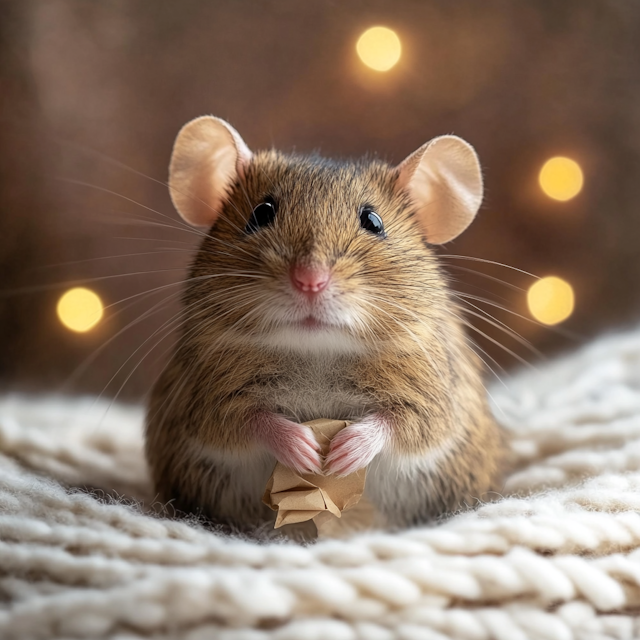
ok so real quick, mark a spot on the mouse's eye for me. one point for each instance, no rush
(262, 215)
(372, 222)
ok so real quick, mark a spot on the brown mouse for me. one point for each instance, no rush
(316, 293)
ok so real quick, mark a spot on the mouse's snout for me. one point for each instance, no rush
(310, 280)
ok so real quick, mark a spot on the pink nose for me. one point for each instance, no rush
(310, 279)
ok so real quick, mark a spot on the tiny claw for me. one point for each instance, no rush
(357, 445)
(341, 467)
(307, 462)
(292, 444)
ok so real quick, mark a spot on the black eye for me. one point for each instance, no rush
(372, 222)
(262, 215)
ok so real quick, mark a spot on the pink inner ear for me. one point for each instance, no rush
(444, 182)
(208, 156)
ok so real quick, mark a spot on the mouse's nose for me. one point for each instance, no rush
(310, 279)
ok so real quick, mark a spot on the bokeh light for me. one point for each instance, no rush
(379, 48)
(551, 300)
(80, 309)
(561, 178)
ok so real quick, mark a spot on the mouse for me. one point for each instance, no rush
(317, 292)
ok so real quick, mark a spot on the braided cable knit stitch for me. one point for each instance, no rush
(556, 558)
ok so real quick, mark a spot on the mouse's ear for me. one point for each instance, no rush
(208, 157)
(444, 181)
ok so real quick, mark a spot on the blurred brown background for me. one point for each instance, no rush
(87, 85)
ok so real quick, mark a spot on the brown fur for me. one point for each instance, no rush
(413, 365)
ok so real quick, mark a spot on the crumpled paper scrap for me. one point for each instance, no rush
(301, 497)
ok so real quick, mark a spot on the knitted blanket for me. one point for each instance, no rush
(557, 557)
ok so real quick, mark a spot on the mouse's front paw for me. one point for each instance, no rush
(357, 445)
(292, 444)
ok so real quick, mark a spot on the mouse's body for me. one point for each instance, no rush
(315, 295)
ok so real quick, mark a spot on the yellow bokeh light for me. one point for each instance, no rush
(80, 309)
(551, 300)
(379, 48)
(561, 178)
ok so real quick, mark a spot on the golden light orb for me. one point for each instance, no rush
(379, 48)
(551, 300)
(561, 178)
(80, 309)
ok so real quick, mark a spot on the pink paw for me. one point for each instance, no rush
(292, 444)
(357, 445)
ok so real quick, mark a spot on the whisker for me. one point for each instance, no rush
(165, 184)
(165, 327)
(493, 262)
(487, 276)
(59, 285)
(502, 326)
(558, 330)
(473, 346)
(408, 331)
(128, 199)
(499, 344)
(185, 281)
(471, 326)
(198, 327)
(116, 257)
(190, 245)
(148, 313)
(82, 367)
(467, 340)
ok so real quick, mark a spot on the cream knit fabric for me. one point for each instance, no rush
(557, 558)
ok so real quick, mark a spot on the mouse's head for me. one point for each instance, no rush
(309, 254)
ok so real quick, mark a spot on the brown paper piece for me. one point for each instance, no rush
(301, 497)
